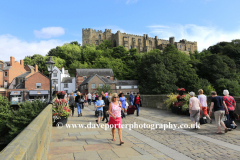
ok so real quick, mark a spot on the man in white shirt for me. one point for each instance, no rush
(89, 98)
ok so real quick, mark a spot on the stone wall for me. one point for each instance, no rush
(33, 142)
(157, 101)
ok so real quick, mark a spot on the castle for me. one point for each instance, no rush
(129, 41)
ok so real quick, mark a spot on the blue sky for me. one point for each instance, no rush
(34, 27)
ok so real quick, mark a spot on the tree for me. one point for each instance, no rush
(105, 88)
(232, 86)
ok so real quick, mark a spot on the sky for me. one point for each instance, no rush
(34, 27)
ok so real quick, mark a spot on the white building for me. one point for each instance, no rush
(61, 80)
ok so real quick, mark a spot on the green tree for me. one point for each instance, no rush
(232, 86)
(105, 88)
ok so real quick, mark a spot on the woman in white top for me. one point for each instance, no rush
(194, 109)
(203, 101)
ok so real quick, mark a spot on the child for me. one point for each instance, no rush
(99, 105)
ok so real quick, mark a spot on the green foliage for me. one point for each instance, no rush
(172, 98)
(15, 121)
(158, 72)
(232, 86)
(105, 88)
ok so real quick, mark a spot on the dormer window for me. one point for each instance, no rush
(1, 65)
(99, 37)
(5, 74)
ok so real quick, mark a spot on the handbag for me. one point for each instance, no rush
(228, 123)
(203, 120)
(80, 100)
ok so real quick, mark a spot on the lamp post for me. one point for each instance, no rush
(50, 65)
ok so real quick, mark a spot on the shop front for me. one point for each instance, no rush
(42, 95)
(16, 97)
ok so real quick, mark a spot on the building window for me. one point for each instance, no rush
(189, 49)
(84, 77)
(81, 87)
(126, 87)
(135, 86)
(100, 85)
(127, 93)
(93, 86)
(54, 74)
(99, 37)
(108, 77)
(96, 42)
(117, 87)
(131, 47)
(1, 65)
(5, 74)
(65, 85)
(21, 80)
(38, 85)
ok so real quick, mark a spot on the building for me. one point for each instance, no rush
(129, 41)
(61, 80)
(92, 82)
(9, 70)
(30, 85)
(83, 74)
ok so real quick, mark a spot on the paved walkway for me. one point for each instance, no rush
(96, 143)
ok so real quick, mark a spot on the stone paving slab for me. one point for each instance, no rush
(142, 157)
(89, 133)
(95, 147)
(65, 149)
(87, 137)
(88, 155)
(125, 152)
(68, 156)
(97, 141)
(107, 154)
(67, 143)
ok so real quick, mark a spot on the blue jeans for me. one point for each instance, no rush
(79, 107)
(137, 105)
(131, 103)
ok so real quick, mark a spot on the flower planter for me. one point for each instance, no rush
(179, 110)
(60, 96)
(61, 121)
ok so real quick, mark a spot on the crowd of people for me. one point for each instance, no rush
(115, 105)
(221, 105)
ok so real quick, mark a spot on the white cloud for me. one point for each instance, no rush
(204, 35)
(49, 32)
(12, 46)
(131, 1)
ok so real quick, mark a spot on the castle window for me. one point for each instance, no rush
(189, 49)
(96, 43)
(99, 37)
(130, 47)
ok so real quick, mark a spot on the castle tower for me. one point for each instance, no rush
(172, 40)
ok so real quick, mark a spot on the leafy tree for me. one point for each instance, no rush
(105, 45)
(232, 86)
(105, 88)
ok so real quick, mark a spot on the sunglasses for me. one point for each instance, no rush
(115, 97)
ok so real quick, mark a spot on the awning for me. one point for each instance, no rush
(38, 93)
(15, 93)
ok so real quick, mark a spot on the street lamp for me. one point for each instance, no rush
(50, 65)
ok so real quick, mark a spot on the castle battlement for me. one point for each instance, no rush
(141, 42)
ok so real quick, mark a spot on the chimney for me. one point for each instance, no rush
(22, 62)
(62, 70)
(12, 60)
(36, 68)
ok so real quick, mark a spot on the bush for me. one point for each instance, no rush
(13, 122)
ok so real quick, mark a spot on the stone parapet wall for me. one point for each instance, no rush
(157, 101)
(33, 142)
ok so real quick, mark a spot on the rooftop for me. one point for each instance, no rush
(98, 71)
(67, 79)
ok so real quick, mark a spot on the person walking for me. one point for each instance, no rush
(106, 94)
(123, 99)
(105, 108)
(137, 102)
(79, 103)
(71, 102)
(89, 98)
(115, 120)
(203, 101)
(231, 105)
(99, 105)
(109, 97)
(94, 98)
(194, 109)
(85, 100)
(218, 104)
(131, 98)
